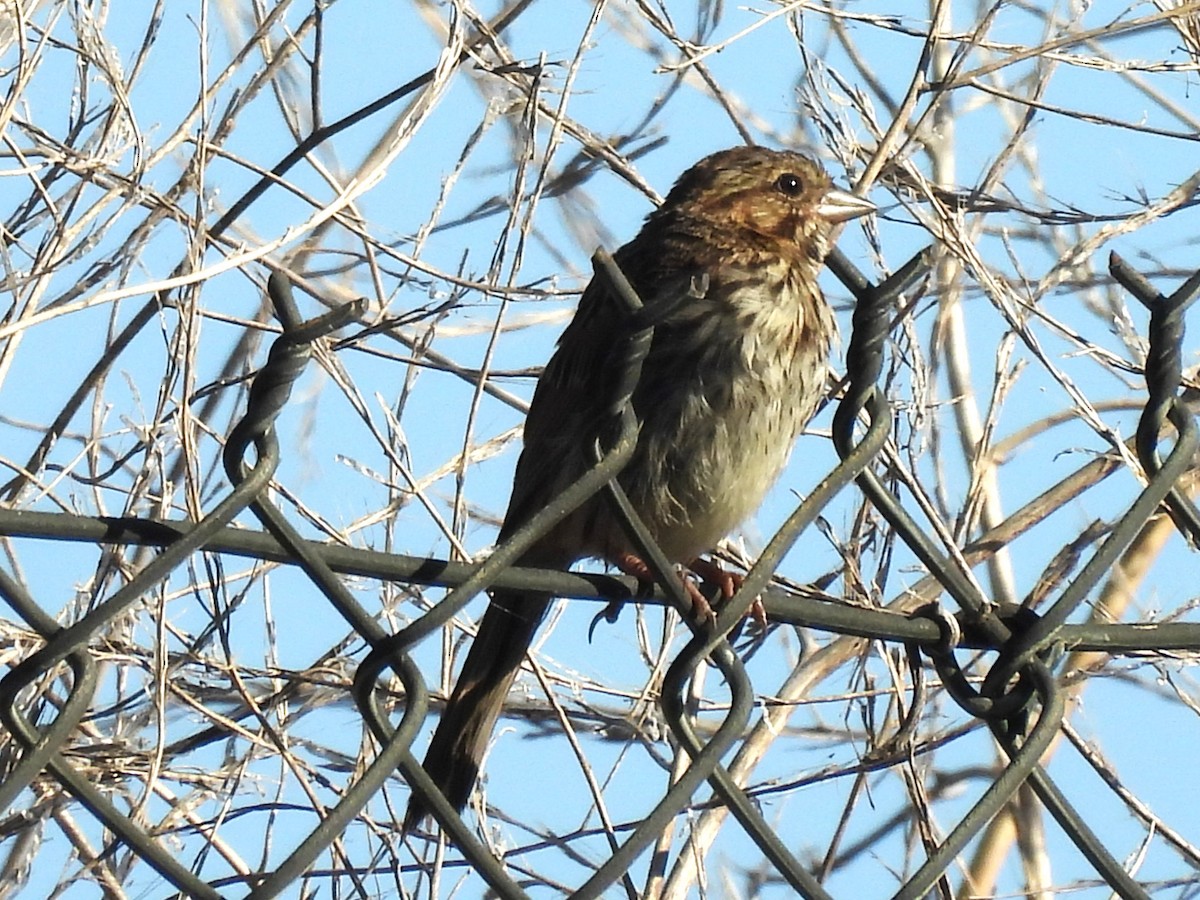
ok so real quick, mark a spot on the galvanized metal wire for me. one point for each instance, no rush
(1018, 696)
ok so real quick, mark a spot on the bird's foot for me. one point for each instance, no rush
(632, 564)
(729, 583)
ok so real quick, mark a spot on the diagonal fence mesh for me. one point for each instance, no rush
(234, 696)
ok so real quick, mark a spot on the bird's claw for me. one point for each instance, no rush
(730, 583)
(608, 615)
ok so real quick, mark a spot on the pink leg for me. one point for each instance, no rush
(730, 583)
(632, 564)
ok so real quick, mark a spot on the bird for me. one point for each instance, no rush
(727, 271)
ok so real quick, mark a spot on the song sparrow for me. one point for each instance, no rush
(734, 372)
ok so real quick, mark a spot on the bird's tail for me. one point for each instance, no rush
(461, 737)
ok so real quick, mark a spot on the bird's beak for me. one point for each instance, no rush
(841, 206)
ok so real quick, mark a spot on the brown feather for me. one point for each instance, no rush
(732, 375)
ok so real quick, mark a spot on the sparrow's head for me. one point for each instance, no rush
(772, 195)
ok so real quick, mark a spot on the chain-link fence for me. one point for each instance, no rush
(235, 698)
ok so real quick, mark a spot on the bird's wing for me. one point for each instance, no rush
(569, 400)
(579, 386)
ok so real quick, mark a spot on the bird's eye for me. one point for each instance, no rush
(789, 184)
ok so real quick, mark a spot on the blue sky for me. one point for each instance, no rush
(1113, 132)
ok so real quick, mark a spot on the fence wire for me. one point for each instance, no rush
(169, 728)
(1016, 695)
